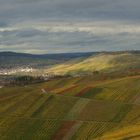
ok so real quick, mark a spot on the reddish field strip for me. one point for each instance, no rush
(63, 130)
(67, 89)
(8, 97)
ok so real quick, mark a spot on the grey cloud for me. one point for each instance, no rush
(29, 33)
(65, 41)
(73, 9)
(3, 24)
(13, 12)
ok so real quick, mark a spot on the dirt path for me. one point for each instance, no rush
(43, 90)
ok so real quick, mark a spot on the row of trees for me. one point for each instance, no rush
(21, 80)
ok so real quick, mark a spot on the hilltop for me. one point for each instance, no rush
(104, 62)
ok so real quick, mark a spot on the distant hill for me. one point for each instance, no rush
(73, 63)
(102, 62)
(12, 59)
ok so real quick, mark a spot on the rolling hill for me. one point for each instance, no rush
(73, 108)
(72, 64)
(84, 102)
(103, 62)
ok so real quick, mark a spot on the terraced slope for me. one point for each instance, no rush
(54, 111)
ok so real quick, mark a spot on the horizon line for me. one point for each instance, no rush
(71, 52)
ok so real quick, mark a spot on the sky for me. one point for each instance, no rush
(60, 26)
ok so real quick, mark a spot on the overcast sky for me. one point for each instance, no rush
(58, 26)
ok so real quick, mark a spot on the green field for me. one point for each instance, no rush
(79, 108)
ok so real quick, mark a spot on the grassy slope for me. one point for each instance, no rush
(72, 108)
(102, 62)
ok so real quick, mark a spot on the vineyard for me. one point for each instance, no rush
(78, 108)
